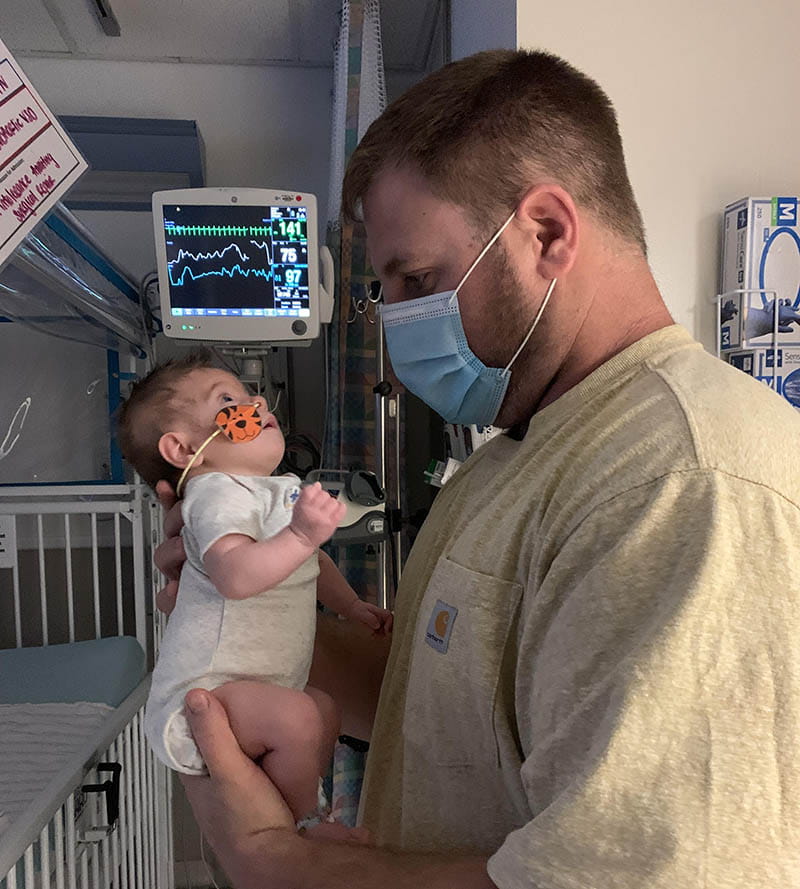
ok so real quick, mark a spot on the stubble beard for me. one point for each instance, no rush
(509, 318)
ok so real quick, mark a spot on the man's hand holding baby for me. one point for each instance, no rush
(316, 515)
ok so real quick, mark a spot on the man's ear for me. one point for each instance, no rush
(551, 217)
(174, 447)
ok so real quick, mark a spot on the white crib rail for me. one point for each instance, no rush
(63, 839)
(81, 509)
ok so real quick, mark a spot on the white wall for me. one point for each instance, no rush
(705, 94)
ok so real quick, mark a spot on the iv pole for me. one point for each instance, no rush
(385, 405)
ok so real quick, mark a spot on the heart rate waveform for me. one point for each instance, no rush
(217, 231)
(216, 263)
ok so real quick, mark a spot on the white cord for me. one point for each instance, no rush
(542, 307)
(482, 254)
(205, 863)
(195, 455)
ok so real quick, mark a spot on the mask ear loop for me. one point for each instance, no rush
(483, 253)
(195, 455)
(533, 326)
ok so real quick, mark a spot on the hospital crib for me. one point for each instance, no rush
(83, 803)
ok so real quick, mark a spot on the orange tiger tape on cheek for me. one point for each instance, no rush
(239, 422)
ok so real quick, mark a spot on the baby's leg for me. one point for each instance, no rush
(284, 729)
(331, 724)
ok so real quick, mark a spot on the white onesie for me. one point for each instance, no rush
(210, 640)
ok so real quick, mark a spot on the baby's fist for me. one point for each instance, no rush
(316, 515)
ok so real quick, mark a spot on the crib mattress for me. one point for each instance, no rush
(101, 670)
(36, 740)
(53, 700)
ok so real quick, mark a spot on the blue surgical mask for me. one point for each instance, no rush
(432, 358)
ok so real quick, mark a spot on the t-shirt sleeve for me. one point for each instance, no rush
(218, 505)
(660, 716)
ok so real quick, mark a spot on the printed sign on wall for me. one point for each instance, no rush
(38, 162)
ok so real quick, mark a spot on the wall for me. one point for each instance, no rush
(705, 94)
(478, 24)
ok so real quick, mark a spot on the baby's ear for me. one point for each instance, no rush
(176, 450)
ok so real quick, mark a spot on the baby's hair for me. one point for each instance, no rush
(143, 417)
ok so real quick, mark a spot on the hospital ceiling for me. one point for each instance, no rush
(241, 32)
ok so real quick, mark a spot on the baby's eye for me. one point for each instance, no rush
(226, 397)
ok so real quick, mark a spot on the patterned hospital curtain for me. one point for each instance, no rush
(359, 97)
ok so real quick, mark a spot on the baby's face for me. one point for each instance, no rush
(203, 393)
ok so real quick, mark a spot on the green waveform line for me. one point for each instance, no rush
(219, 231)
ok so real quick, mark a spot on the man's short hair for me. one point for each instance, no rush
(149, 412)
(486, 128)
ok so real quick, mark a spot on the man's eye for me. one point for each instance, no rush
(418, 284)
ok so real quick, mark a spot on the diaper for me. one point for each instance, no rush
(168, 733)
(322, 814)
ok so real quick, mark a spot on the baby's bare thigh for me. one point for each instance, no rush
(265, 717)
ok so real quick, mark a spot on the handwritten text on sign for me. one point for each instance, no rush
(37, 162)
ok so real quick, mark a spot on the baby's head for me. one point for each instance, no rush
(170, 413)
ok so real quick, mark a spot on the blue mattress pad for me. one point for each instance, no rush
(101, 670)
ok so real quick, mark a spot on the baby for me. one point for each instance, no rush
(244, 623)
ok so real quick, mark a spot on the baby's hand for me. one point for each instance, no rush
(379, 620)
(316, 515)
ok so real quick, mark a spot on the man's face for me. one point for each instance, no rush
(420, 244)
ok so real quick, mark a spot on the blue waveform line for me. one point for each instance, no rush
(237, 269)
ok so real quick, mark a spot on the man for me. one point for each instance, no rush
(594, 679)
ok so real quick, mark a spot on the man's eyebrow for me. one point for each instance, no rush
(395, 264)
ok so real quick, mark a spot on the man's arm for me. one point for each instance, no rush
(294, 862)
(247, 823)
(349, 663)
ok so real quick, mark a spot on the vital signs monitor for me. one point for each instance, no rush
(239, 265)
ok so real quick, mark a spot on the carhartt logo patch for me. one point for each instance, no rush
(440, 626)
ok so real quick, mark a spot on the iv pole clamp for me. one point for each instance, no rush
(386, 404)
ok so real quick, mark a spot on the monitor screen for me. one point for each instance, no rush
(237, 264)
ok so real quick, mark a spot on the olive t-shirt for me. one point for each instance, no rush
(595, 671)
